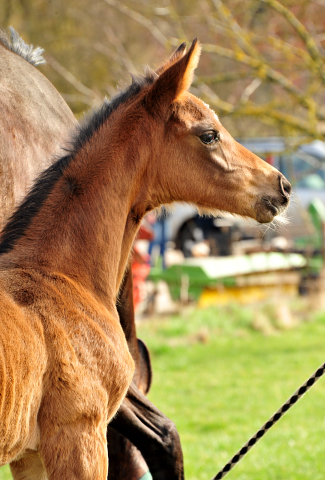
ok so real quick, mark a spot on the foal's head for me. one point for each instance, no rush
(195, 159)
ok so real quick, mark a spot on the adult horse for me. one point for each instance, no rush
(65, 250)
(35, 122)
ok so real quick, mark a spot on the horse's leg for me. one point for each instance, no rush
(125, 310)
(125, 460)
(152, 433)
(138, 420)
(29, 467)
(75, 452)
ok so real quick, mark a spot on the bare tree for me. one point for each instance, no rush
(262, 65)
(267, 59)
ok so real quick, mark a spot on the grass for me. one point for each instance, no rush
(220, 380)
(221, 373)
(5, 473)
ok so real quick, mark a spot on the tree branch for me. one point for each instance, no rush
(302, 32)
(264, 72)
(240, 35)
(85, 91)
(137, 17)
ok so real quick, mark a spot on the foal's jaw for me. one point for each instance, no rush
(270, 190)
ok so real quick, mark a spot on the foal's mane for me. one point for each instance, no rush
(21, 219)
(97, 118)
(13, 42)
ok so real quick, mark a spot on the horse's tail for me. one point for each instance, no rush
(11, 40)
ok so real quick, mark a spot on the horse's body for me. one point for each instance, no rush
(35, 123)
(65, 250)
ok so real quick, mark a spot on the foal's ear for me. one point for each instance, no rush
(175, 78)
(177, 55)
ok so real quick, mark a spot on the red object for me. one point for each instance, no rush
(269, 159)
(141, 266)
(145, 232)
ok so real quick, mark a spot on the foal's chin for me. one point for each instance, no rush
(268, 215)
(267, 211)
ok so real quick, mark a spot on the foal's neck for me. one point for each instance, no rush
(87, 224)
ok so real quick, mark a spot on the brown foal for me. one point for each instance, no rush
(65, 363)
(35, 123)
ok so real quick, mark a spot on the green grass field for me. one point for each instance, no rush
(220, 379)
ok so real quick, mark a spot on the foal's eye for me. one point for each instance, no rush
(209, 138)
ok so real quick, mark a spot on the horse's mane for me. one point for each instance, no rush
(97, 118)
(31, 205)
(11, 40)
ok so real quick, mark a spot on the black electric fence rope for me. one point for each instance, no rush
(274, 419)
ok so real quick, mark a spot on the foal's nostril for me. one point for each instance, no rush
(285, 187)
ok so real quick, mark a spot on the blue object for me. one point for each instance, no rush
(159, 239)
(146, 476)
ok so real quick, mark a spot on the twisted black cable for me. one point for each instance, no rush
(274, 419)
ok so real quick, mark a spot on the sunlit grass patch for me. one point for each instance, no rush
(220, 390)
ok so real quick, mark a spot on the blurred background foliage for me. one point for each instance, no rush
(262, 66)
